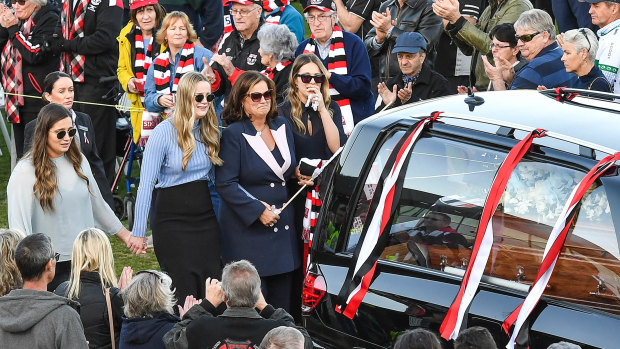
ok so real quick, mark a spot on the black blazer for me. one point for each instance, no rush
(86, 131)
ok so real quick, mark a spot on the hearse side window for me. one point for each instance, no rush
(588, 270)
(445, 185)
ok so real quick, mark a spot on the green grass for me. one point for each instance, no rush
(122, 255)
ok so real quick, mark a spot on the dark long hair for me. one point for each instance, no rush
(233, 111)
(46, 181)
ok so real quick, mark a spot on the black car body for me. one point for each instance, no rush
(450, 171)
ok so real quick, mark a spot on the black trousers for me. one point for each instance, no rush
(277, 290)
(104, 121)
(18, 131)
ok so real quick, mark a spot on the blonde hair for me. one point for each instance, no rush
(183, 118)
(91, 252)
(148, 293)
(10, 277)
(297, 105)
(160, 37)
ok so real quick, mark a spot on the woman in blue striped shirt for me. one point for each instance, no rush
(178, 160)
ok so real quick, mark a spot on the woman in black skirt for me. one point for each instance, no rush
(179, 160)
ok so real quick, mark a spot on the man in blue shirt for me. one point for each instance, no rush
(536, 41)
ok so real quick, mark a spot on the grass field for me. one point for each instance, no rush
(122, 256)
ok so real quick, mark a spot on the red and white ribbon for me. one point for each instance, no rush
(380, 214)
(554, 247)
(484, 240)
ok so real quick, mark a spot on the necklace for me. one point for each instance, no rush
(260, 132)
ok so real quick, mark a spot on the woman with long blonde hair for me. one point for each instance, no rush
(10, 278)
(179, 160)
(52, 190)
(92, 272)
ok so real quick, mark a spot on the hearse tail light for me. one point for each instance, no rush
(314, 290)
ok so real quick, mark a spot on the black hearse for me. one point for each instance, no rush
(450, 171)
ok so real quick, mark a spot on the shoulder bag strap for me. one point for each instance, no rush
(111, 322)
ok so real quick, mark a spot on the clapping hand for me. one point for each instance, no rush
(447, 9)
(208, 72)
(125, 279)
(404, 94)
(7, 17)
(382, 23)
(388, 97)
(213, 292)
(226, 64)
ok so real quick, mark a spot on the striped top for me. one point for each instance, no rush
(162, 168)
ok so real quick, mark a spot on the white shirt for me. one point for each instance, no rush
(608, 54)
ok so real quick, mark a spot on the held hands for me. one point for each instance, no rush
(447, 9)
(137, 245)
(213, 292)
(269, 218)
(229, 68)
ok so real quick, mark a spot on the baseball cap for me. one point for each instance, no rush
(248, 2)
(322, 5)
(410, 42)
(597, 1)
(136, 4)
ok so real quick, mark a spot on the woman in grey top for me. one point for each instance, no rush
(52, 190)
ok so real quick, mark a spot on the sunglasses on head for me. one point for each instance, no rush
(305, 78)
(156, 274)
(256, 96)
(200, 97)
(20, 2)
(526, 37)
(56, 256)
(63, 133)
(585, 35)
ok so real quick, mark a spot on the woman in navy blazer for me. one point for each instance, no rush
(258, 152)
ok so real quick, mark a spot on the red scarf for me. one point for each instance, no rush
(73, 63)
(12, 79)
(162, 70)
(143, 59)
(270, 72)
(336, 63)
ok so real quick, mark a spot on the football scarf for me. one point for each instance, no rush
(377, 226)
(144, 58)
(270, 72)
(484, 239)
(70, 62)
(162, 70)
(554, 247)
(336, 63)
(12, 79)
(270, 6)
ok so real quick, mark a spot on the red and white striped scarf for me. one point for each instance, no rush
(143, 58)
(162, 69)
(337, 63)
(376, 229)
(12, 78)
(270, 6)
(270, 72)
(73, 63)
(554, 247)
(451, 325)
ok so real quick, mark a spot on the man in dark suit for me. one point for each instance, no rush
(86, 141)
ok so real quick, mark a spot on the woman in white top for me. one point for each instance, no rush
(52, 190)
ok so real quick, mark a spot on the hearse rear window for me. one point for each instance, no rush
(445, 187)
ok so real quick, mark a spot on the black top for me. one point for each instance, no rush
(312, 146)
(94, 310)
(363, 9)
(594, 80)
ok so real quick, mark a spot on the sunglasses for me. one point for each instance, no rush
(256, 96)
(585, 35)
(156, 274)
(526, 37)
(56, 256)
(201, 97)
(63, 133)
(20, 2)
(305, 78)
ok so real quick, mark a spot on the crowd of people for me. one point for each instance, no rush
(225, 106)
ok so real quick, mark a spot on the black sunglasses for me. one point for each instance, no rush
(20, 2)
(156, 274)
(256, 96)
(63, 133)
(585, 35)
(526, 37)
(305, 78)
(56, 256)
(200, 97)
